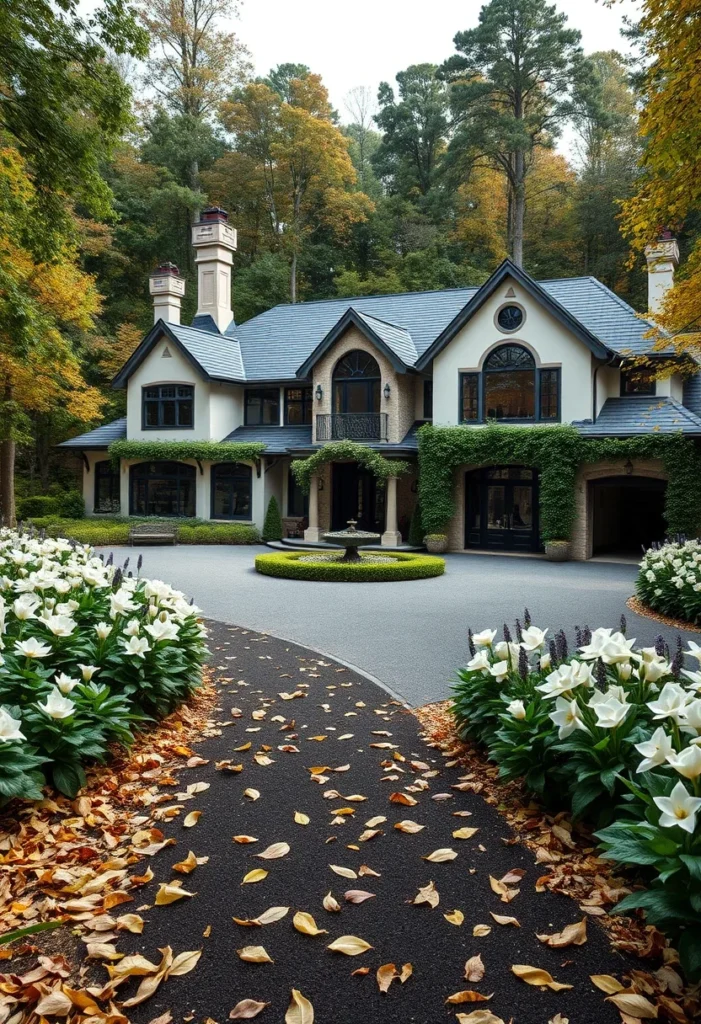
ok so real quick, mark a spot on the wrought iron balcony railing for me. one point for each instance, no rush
(352, 426)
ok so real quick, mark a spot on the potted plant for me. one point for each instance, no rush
(557, 550)
(436, 543)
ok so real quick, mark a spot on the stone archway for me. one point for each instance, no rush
(619, 507)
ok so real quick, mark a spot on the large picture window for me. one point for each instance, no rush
(168, 405)
(356, 384)
(231, 491)
(510, 389)
(162, 489)
(298, 405)
(262, 407)
(106, 488)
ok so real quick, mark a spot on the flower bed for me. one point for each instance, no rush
(86, 653)
(295, 565)
(669, 580)
(613, 732)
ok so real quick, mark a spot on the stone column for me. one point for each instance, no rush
(391, 538)
(313, 533)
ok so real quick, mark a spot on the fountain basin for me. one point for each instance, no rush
(351, 539)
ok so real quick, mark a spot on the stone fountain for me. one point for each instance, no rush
(351, 539)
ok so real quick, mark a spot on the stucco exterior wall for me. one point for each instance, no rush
(160, 369)
(550, 343)
(401, 402)
(225, 409)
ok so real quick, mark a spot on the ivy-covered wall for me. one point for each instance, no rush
(339, 451)
(204, 451)
(556, 452)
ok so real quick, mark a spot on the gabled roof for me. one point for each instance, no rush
(509, 270)
(640, 414)
(99, 438)
(277, 439)
(394, 342)
(215, 356)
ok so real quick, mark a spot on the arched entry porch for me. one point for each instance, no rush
(626, 514)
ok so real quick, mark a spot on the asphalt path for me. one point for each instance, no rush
(411, 636)
(251, 671)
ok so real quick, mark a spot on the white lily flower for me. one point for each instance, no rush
(65, 683)
(480, 662)
(516, 709)
(132, 627)
(615, 692)
(485, 638)
(10, 727)
(609, 646)
(88, 671)
(655, 750)
(695, 678)
(499, 670)
(135, 645)
(610, 713)
(545, 662)
(161, 630)
(57, 706)
(679, 808)
(687, 762)
(567, 715)
(121, 603)
(670, 702)
(32, 648)
(103, 630)
(691, 720)
(60, 625)
(566, 677)
(25, 609)
(532, 638)
(694, 651)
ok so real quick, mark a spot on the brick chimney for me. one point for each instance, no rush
(214, 241)
(167, 288)
(662, 259)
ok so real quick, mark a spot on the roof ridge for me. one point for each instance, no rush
(379, 320)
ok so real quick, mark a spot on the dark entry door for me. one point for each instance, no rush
(501, 505)
(356, 496)
(627, 513)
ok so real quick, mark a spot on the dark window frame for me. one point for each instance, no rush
(650, 390)
(479, 383)
(181, 473)
(238, 467)
(306, 403)
(261, 393)
(158, 402)
(428, 399)
(366, 383)
(105, 470)
(293, 488)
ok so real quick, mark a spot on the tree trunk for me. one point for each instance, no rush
(293, 277)
(7, 464)
(519, 207)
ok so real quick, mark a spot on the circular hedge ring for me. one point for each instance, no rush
(289, 565)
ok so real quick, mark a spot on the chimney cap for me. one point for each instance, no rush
(213, 213)
(665, 235)
(166, 268)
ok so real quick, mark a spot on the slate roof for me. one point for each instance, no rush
(640, 414)
(692, 393)
(219, 355)
(277, 439)
(397, 338)
(98, 438)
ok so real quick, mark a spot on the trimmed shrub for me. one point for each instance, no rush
(669, 580)
(272, 527)
(405, 566)
(416, 530)
(219, 533)
(72, 505)
(101, 532)
(39, 505)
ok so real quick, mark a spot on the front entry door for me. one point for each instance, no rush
(501, 509)
(356, 496)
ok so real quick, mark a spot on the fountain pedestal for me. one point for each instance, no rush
(352, 539)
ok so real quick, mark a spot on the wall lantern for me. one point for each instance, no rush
(387, 390)
(319, 393)
(629, 467)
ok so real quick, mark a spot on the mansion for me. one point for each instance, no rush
(373, 370)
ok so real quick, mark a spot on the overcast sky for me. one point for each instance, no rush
(365, 42)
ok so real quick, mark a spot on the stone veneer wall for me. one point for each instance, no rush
(399, 406)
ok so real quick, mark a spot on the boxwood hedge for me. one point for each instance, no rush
(100, 532)
(405, 566)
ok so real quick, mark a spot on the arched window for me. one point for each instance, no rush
(231, 491)
(510, 384)
(162, 489)
(356, 384)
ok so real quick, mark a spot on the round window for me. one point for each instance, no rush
(510, 318)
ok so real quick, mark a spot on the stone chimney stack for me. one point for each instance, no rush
(167, 287)
(214, 241)
(662, 259)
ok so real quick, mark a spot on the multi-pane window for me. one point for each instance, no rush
(168, 405)
(298, 405)
(356, 384)
(262, 407)
(162, 489)
(637, 382)
(469, 396)
(550, 394)
(106, 488)
(231, 491)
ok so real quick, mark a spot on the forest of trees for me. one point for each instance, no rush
(116, 130)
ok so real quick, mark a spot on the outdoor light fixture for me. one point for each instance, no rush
(387, 390)
(319, 393)
(629, 468)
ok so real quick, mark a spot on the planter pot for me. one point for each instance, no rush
(557, 550)
(436, 545)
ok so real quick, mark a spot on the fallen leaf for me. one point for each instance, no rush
(169, 893)
(360, 972)
(474, 969)
(271, 915)
(252, 794)
(369, 834)
(358, 896)
(403, 798)
(306, 924)
(301, 819)
(502, 919)
(571, 935)
(478, 1017)
(245, 839)
(187, 865)
(184, 963)
(344, 872)
(331, 904)
(55, 1004)
(411, 827)
(377, 820)
(247, 1009)
(300, 1010)
(538, 976)
(257, 875)
(440, 856)
(274, 852)
(406, 972)
(191, 819)
(480, 930)
(633, 1004)
(365, 870)
(254, 955)
(464, 833)
(351, 945)
(428, 894)
(559, 1019)
(385, 976)
(455, 917)
(468, 996)
(165, 1018)
(606, 983)
(132, 923)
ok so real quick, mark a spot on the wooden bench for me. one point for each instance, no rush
(153, 533)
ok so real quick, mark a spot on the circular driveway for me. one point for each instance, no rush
(409, 636)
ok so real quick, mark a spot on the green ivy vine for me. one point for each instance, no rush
(204, 451)
(556, 452)
(335, 451)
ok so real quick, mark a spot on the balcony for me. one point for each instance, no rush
(352, 426)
